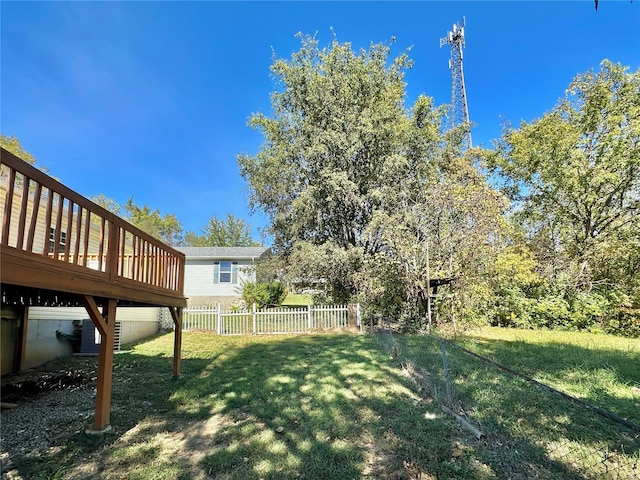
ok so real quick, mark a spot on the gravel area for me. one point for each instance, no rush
(42, 421)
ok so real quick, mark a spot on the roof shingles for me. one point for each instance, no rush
(223, 252)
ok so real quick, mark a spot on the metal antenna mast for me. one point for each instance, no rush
(459, 113)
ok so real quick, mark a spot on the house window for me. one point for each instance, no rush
(225, 272)
(62, 243)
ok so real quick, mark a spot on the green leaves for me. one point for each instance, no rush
(231, 232)
(263, 294)
(357, 185)
(370, 198)
(12, 144)
(338, 118)
(165, 227)
(577, 169)
(575, 177)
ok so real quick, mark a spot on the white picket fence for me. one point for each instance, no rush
(270, 321)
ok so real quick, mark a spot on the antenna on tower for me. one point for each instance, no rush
(459, 110)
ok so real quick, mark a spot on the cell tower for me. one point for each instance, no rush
(459, 110)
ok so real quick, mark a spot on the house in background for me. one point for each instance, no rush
(217, 274)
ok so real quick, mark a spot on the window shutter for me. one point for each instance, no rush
(234, 272)
(216, 272)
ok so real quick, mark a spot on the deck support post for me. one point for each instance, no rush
(176, 314)
(106, 326)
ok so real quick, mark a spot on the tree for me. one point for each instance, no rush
(328, 268)
(12, 144)
(575, 172)
(448, 230)
(349, 177)
(165, 227)
(574, 176)
(338, 119)
(231, 232)
(107, 203)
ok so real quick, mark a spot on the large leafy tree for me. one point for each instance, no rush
(357, 185)
(338, 118)
(230, 232)
(339, 137)
(574, 177)
(575, 173)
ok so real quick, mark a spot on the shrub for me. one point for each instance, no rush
(264, 294)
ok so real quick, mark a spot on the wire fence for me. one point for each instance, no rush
(522, 428)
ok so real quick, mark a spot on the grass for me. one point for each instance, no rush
(334, 407)
(330, 407)
(297, 300)
(542, 435)
(603, 370)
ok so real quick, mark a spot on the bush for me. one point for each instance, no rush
(264, 294)
(610, 312)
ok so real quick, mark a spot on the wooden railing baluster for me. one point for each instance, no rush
(23, 213)
(67, 228)
(8, 205)
(34, 217)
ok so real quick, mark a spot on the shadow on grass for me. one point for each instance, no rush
(535, 429)
(314, 407)
(330, 407)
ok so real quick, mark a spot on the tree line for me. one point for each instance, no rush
(375, 199)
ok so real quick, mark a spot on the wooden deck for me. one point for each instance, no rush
(55, 239)
(59, 248)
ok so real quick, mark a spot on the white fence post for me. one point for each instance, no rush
(273, 321)
(253, 316)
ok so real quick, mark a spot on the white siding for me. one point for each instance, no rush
(123, 314)
(43, 345)
(198, 279)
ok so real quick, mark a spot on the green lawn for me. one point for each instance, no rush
(314, 407)
(603, 370)
(541, 431)
(297, 300)
(318, 407)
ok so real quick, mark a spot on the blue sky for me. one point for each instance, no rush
(151, 99)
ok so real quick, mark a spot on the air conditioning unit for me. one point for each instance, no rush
(91, 338)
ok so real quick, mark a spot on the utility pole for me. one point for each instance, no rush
(459, 110)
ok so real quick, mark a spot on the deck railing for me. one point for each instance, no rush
(43, 217)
